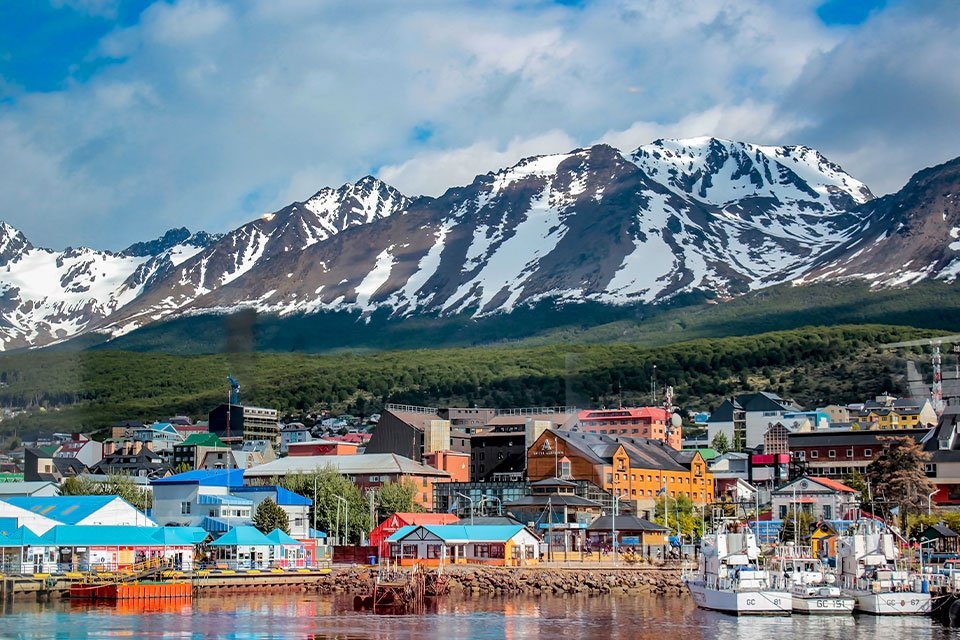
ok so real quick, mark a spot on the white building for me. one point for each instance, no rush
(823, 498)
(84, 510)
(745, 418)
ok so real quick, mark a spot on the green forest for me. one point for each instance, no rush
(91, 389)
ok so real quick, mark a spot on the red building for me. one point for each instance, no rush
(322, 448)
(834, 454)
(645, 422)
(380, 533)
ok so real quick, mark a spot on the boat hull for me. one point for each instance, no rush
(762, 602)
(823, 605)
(905, 603)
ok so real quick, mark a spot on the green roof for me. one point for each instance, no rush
(707, 453)
(202, 440)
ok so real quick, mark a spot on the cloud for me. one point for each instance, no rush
(200, 103)
(433, 172)
(884, 102)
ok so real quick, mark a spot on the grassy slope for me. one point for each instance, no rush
(91, 389)
(934, 305)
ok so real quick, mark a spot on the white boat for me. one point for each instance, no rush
(813, 589)
(867, 558)
(729, 577)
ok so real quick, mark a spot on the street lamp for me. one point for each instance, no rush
(613, 523)
(930, 502)
(463, 495)
(499, 504)
(346, 517)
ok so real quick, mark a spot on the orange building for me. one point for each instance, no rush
(635, 469)
(645, 422)
(456, 463)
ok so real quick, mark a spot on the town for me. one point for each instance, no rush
(242, 492)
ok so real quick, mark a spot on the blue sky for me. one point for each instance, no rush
(122, 118)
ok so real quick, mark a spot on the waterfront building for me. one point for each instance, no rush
(37, 523)
(85, 510)
(556, 513)
(632, 532)
(636, 470)
(396, 521)
(496, 545)
(244, 547)
(286, 552)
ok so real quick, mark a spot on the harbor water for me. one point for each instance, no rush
(318, 617)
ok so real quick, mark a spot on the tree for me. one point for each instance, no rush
(393, 497)
(797, 527)
(112, 485)
(898, 476)
(668, 511)
(720, 443)
(325, 487)
(270, 516)
(855, 480)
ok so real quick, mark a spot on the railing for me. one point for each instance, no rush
(532, 411)
(409, 408)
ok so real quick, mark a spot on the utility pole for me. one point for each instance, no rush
(613, 524)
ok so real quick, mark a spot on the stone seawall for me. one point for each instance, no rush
(527, 580)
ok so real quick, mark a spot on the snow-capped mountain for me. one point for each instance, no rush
(47, 295)
(903, 238)
(595, 224)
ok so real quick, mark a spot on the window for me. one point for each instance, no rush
(481, 550)
(850, 452)
(565, 469)
(827, 512)
(868, 453)
(433, 550)
(184, 508)
(783, 511)
(497, 550)
(832, 453)
(814, 454)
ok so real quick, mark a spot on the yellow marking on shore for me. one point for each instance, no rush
(41, 575)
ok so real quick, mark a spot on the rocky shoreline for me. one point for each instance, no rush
(528, 580)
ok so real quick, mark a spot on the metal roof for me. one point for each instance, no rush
(100, 536)
(243, 536)
(65, 509)
(279, 537)
(625, 523)
(283, 496)
(368, 463)
(206, 477)
(21, 488)
(458, 533)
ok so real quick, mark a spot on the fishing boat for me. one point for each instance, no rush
(729, 577)
(813, 589)
(868, 560)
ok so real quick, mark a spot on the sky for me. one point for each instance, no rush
(120, 119)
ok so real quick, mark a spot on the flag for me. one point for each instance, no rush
(662, 490)
(895, 511)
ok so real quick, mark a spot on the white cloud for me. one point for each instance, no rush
(210, 113)
(433, 172)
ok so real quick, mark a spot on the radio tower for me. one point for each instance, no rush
(937, 391)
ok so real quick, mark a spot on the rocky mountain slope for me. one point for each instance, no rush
(595, 224)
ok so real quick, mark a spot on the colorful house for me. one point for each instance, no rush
(84, 510)
(243, 548)
(392, 524)
(435, 545)
(114, 548)
(286, 551)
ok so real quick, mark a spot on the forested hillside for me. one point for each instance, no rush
(89, 390)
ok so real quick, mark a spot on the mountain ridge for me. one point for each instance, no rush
(594, 225)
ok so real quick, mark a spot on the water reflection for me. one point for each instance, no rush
(318, 617)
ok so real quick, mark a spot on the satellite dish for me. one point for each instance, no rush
(676, 420)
